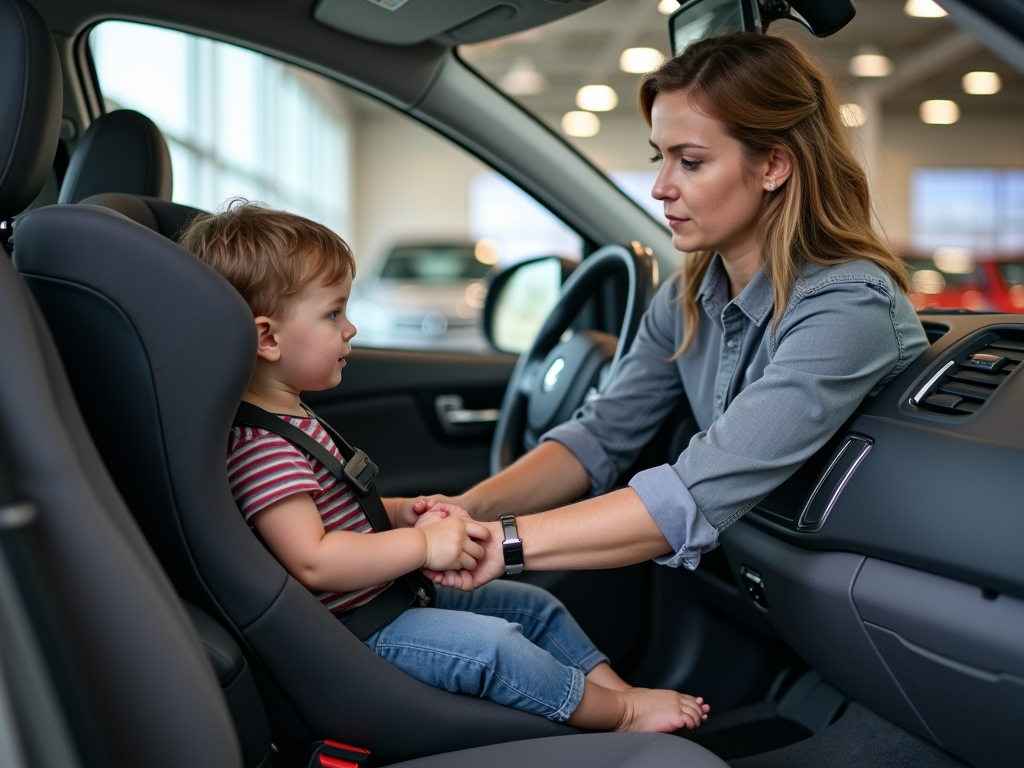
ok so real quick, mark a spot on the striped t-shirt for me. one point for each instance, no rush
(264, 468)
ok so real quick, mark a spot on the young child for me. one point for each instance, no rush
(509, 642)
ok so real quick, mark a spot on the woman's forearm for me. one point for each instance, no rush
(546, 477)
(605, 532)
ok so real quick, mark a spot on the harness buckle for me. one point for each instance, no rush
(360, 471)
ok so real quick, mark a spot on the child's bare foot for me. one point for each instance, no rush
(659, 711)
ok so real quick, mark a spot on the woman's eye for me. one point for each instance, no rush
(691, 165)
(657, 159)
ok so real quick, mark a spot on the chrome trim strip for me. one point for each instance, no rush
(931, 382)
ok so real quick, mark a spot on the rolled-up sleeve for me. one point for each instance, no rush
(833, 348)
(607, 433)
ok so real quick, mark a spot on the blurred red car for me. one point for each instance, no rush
(951, 278)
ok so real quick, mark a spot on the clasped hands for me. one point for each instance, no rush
(467, 553)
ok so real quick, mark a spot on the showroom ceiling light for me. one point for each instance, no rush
(940, 112)
(954, 261)
(523, 79)
(581, 124)
(487, 251)
(668, 6)
(852, 115)
(982, 83)
(924, 9)
(639, 60)
(597, 98)
(870, 62)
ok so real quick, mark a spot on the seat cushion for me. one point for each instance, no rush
(594, 750)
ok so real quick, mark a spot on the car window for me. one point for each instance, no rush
(935, 116)
(427, 221)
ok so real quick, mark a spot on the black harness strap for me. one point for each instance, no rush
(360, 474)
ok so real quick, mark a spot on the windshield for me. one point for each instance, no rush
(935, 116)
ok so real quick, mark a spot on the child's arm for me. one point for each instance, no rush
(343, 561)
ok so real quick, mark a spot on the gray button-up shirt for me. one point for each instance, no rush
(764, 404)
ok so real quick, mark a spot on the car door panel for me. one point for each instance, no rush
(385, 405)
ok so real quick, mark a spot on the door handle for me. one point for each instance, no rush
(455, 419)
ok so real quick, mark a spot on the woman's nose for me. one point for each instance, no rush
(662, 189)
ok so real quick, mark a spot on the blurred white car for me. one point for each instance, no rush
(425, 296)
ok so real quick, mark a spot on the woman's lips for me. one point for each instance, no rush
(675, 221)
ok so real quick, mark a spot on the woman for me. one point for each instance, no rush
(789, 310)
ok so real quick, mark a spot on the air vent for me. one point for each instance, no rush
(965, 383)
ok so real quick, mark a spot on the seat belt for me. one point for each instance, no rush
(359, 473)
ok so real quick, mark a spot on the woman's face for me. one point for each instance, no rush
(711, 194)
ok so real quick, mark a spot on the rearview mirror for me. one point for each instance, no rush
(697, 19)
(519, 300)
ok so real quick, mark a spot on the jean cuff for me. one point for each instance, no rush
(591, 660)
(573, 699)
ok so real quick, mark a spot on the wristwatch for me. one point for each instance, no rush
(511, 547)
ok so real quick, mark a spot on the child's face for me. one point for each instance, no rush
(315, 337)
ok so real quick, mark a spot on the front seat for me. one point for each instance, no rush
(123, 163)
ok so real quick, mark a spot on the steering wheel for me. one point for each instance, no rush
(555, 376)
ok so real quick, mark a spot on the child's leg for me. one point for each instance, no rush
(486, 656)
(544, 619)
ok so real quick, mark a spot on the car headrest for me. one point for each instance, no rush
(123, 151)
(30, 105)
(169, 219)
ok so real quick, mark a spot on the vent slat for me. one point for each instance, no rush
(968, 406)
(967, 390)
(994, 379)
(1008, 344)
(1007, 353)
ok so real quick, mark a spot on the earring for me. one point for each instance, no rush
(771, 186)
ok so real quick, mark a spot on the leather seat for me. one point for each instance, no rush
(123, 164)
(122, 151)
(112, 673)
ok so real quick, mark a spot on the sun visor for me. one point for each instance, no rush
(452, 22)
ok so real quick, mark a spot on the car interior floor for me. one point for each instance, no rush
(858, 739)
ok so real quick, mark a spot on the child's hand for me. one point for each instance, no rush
(408, 511)
(439, 512)
(450, 544)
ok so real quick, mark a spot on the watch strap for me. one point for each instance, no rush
(512, 546)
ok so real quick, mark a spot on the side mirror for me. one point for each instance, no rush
(520, 298)
(697, 19)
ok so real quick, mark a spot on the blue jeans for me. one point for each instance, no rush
(509, 642)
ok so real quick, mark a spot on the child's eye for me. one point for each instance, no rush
(334, 315)
(691, 165)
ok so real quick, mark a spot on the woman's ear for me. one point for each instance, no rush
(778, 169)
(267, 346)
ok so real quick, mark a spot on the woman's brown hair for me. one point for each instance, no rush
(767, 93)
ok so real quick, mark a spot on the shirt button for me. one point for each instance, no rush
(730, 343)
(718, 399)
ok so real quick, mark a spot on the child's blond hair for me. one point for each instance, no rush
(269, 256)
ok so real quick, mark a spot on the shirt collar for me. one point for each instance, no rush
(755, 301)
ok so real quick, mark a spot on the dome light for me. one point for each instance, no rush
(870, 62)
(982, 83)
(597, 98)
(940, 112)
(852, 115)
(924, 9)
(581, 124)
(668, 7)
(639, 60)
